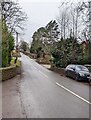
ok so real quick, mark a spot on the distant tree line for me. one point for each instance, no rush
(24, 46)
(63, 38)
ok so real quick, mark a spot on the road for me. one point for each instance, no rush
(40, 93)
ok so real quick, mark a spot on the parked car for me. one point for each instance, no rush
(78, 72)
(90, 79)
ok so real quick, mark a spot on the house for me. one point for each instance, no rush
(84, 45)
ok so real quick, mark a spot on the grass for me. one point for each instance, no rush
(13, 64)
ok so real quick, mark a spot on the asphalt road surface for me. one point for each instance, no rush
(40, 93)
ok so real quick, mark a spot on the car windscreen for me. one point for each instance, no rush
(82, 68)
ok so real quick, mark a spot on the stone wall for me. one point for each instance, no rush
(9, 72)
(61, 71)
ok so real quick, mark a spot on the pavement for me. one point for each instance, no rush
(11, 99)
(40, 93)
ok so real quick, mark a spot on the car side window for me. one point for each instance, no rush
(73, 67)
(77, 68)
(70, 66)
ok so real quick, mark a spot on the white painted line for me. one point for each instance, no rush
(43, 74)
(35, 67)
(73, 93)
(40, 72)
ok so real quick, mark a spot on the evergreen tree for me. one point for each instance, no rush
(24, 46)
(4, 45)
(68, 51)
(7, 45)
(45, 37)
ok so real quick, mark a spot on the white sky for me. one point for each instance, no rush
(39, 13)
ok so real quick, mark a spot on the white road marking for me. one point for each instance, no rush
(40, 72)
(35, 67)
(43, 74)
(73, 93)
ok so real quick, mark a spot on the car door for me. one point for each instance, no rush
(73, 71)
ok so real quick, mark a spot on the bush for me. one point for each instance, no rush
(13, 64)
(4, 57)
(83, 61)
(15, 54)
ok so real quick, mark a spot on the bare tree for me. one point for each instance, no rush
(90, 20)
(63, 20)
(13, 15)
(71, 19)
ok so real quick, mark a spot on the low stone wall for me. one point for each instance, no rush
(43, 61)
(9, 72)
(61, 71)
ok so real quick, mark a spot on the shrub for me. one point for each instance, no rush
(4, 57)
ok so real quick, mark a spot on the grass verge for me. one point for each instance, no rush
(13, 64)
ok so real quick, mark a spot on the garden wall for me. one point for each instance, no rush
(9, 72)
(61, 71)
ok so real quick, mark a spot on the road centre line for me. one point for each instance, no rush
(40, 72)
(73, 93)
(43, 74)
(35, 67)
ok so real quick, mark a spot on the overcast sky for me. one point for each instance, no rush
(39, 13)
